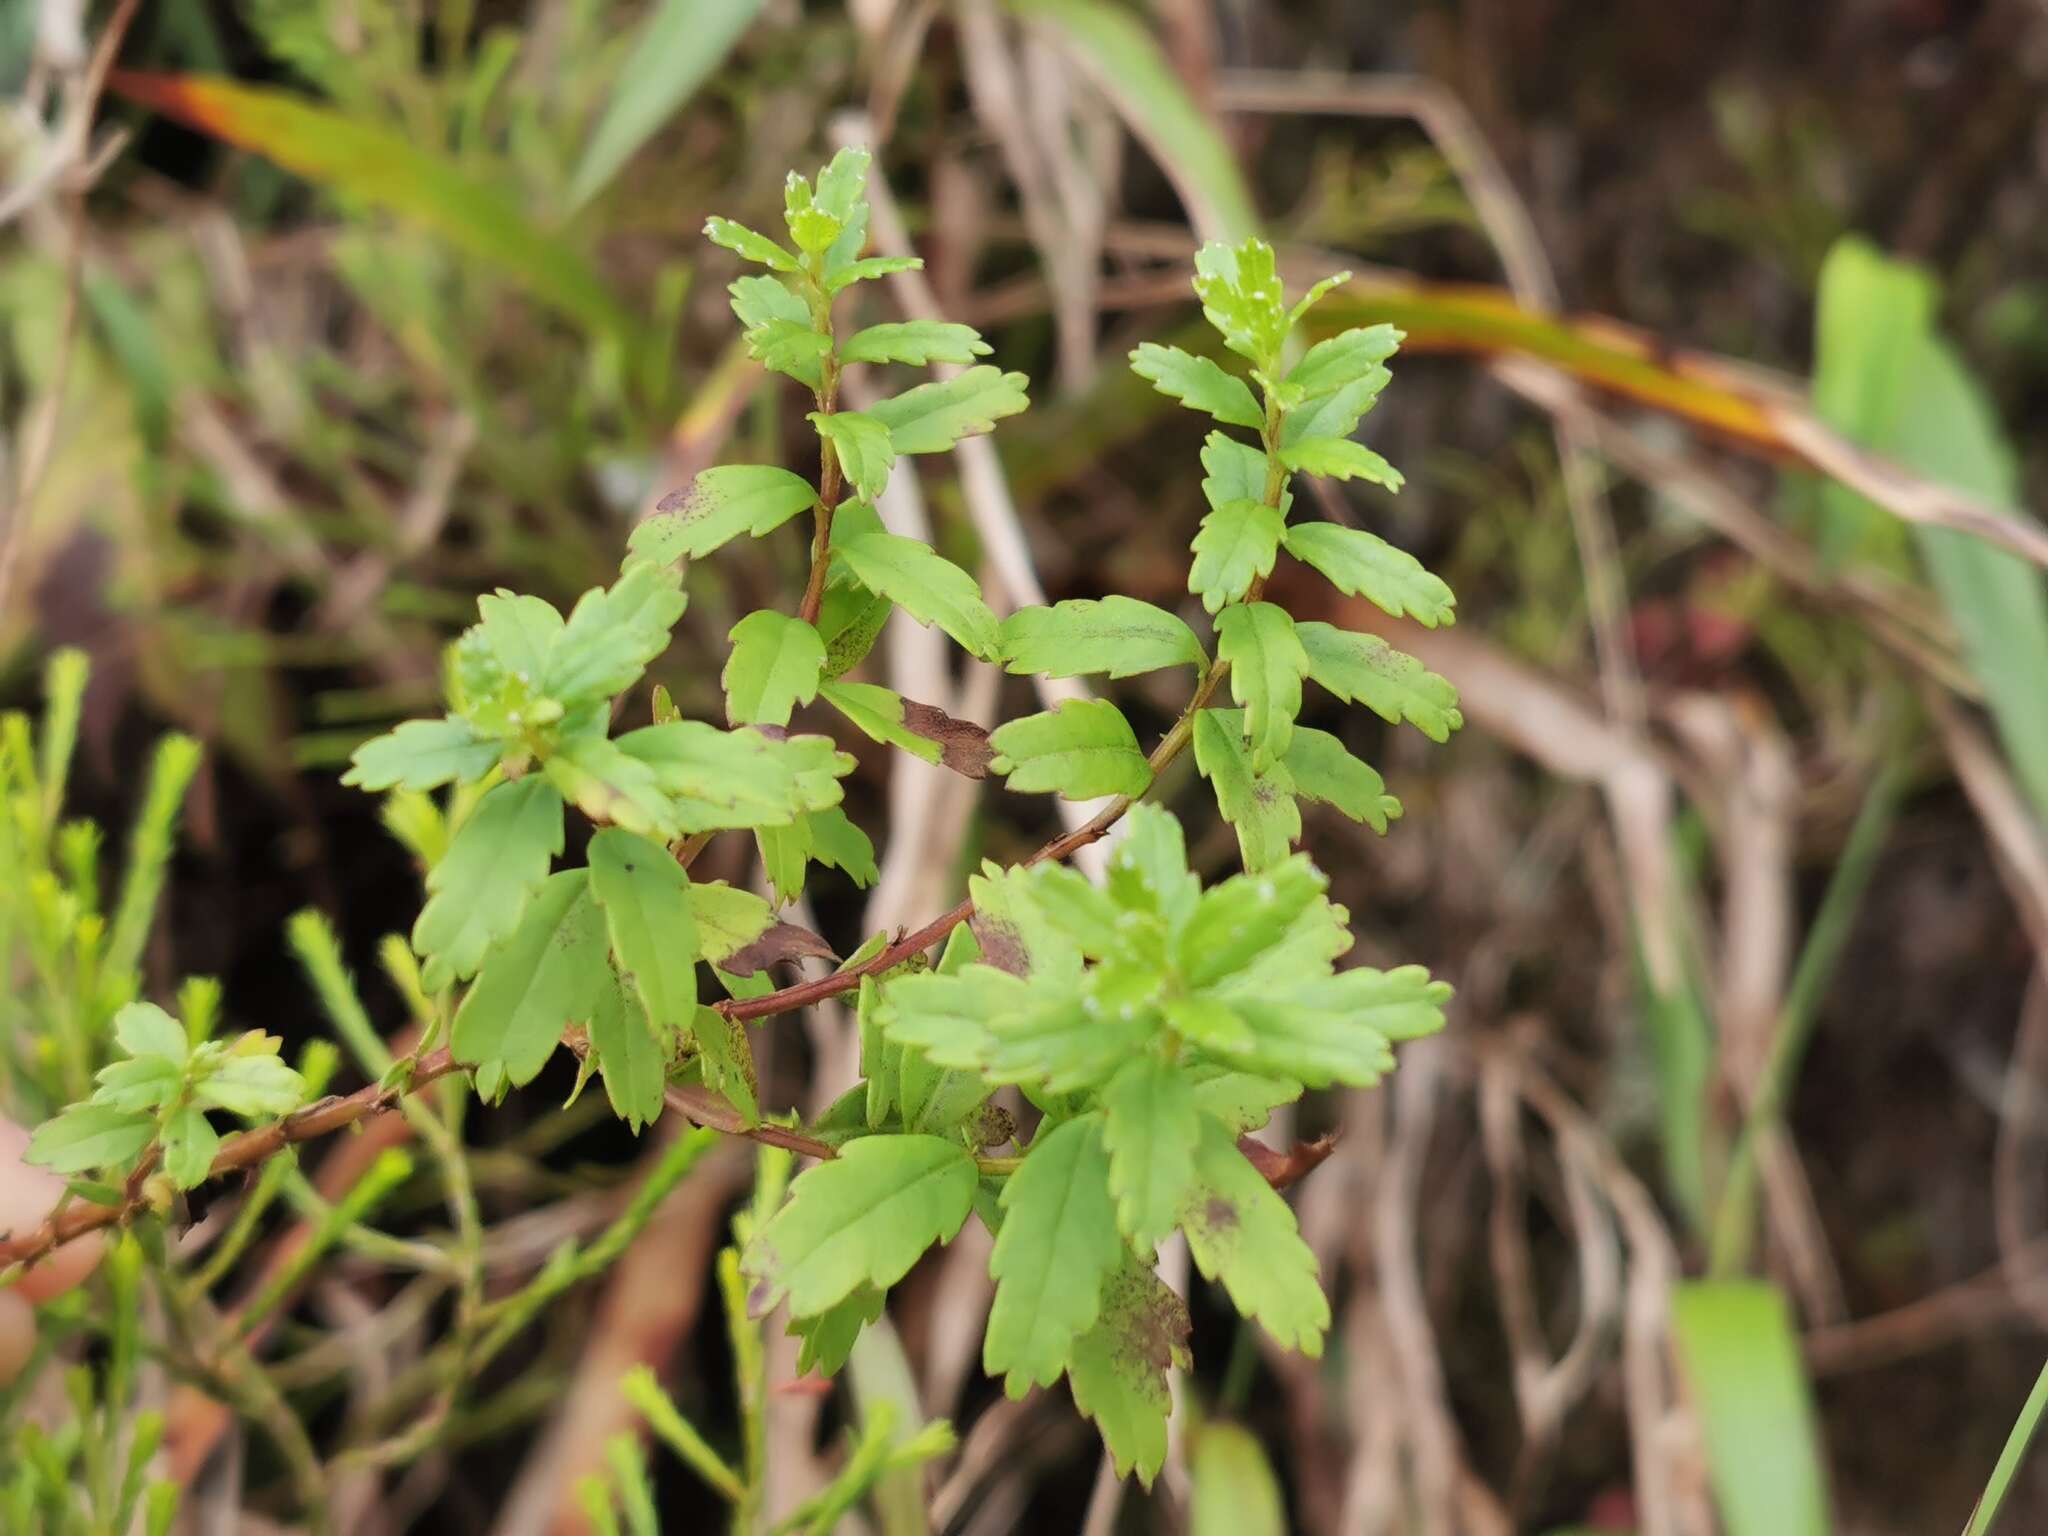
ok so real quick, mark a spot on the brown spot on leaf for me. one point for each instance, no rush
(783, 941)
(1281, 1169)
(963, 746)
(1219, 1215)
(1001, 946)
(685, 502)
(1149, 1320)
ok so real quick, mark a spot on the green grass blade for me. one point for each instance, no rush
(1884, 377)
(678, 49)
(1131, 69)
(383, 168)
(1741, 1364)
(2024, 1428)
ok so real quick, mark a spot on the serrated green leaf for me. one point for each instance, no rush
(495, 682)
(850, 620)
(749, 245)
(1199, 383)
(1149, 1129)
(862, 1219)
(1148, 869)
(1208, 1023)
(1323, 768)
(828, 1338)
(1243, 1101)
(933, 417)
(775, 665)
(947, 1016)
(727, 1059)
(1091, 917)
(1241, 1233)
(496, 861)
(914, 341)
(1057, 1244)
(138, 1083)
(547, 975)
(606, 784)
(421, 755)
(1340, 458)
(814, 229)
(1315, 295)
(1082, 749)
(1364, 669)
(1013, 931)
(1336, 414)
(614, 632)
(89, 1136)
(841, 277)
(189, 1145)
(720, 504)
(252, 1086)
(633, 1062)
(741, 777)
(863, 445)
(1243, 916)
(1119, 1368)
(1365, 565)
(791, 347)
(1335, 1029)
(1117, 635)
(1260, 806)
(1343, 360)
(785, 854)
(645, 897)
(1239, 287)
(1310, 947)
(759, 301)
(1267, 664)
(1234, 471)
(838, 843)
(878, 711)
(914, 576)
(1235, 546)
(143, 1029)
(726, 918)
(1063, 1043)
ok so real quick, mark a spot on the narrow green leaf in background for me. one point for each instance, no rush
(384, 167)
(675, 52)
(1130, 67)
(1235, 1492)
(1740, 1357)
(1985, 1516)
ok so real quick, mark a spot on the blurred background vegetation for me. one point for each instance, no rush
(1721, 1203)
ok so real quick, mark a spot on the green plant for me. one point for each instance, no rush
(1149, 1022)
